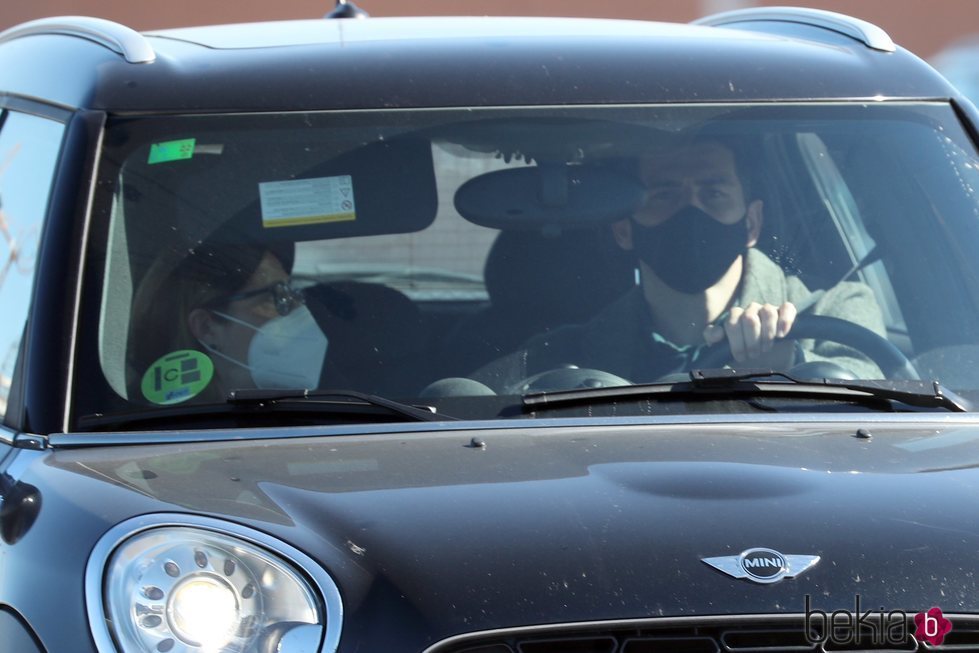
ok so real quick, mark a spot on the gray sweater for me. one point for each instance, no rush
(621, 340)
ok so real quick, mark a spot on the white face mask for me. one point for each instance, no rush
(286, 352)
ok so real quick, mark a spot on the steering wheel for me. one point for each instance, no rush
(570, 377)
(891, 360)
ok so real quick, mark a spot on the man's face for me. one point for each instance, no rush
(703, 175)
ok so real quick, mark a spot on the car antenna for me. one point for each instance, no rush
(345, 9)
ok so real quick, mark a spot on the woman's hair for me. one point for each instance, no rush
(179, 282)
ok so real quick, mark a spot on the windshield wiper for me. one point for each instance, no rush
(255, 397)
(265, 405)
(707, 384)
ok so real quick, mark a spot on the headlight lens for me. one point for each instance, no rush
(188, 590)
(204, 612)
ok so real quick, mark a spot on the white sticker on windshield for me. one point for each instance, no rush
(307, 201)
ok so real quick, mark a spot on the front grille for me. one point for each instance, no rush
(748, 634)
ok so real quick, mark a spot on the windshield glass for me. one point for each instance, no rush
(427, 256)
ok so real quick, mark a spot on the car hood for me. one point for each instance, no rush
(476, 529)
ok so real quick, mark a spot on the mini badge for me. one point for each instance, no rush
(762, 565)
(177, 377)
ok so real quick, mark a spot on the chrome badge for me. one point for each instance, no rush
(762, 565)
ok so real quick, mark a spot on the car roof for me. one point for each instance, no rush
(442, 62)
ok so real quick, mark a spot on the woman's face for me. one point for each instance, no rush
(231, 338)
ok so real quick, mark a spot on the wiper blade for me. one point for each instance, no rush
(264, 405)
(709, 383)
(922, 394)
(257, 397)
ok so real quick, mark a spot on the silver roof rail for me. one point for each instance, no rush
(867, 33)
(121, 39)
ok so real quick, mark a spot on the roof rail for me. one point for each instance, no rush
(867, 33)
(121, 39)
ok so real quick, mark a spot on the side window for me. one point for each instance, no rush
(844, 212)
(29, 148)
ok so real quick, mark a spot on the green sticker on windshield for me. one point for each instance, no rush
(172, 150)
(177, 377)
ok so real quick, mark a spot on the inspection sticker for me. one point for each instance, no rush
(307, 201)
(177, 377)
(172, 151)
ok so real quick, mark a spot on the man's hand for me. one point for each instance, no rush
(753, 333)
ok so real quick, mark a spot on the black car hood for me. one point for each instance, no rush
(567, 524)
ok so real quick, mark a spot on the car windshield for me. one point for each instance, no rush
(455, 258)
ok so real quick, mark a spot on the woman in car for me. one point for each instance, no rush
(222, 317)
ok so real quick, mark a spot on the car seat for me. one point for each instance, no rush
(537, 281)
(376, 340)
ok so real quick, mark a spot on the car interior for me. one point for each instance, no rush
(472, 235)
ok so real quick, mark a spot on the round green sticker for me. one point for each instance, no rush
(177, 377)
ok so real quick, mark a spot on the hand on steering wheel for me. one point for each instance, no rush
(891, 360)
(755, 334)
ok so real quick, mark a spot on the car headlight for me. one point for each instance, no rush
(175, 584)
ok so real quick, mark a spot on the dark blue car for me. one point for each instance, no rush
(486, 335)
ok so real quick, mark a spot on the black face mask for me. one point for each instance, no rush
(691, 251)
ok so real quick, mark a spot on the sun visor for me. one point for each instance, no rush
(381, 188)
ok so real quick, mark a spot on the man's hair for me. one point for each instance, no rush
(745, 152)
(743, 148)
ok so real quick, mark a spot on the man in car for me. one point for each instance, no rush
(701, 281)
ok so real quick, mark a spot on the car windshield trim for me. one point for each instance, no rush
(832, 421)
